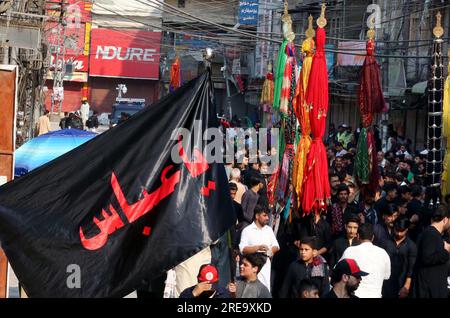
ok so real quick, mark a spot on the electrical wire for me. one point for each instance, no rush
(279, 42)
(236, 31)
(160, 27)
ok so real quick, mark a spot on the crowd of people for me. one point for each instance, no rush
(367, 244)
(83, 119)
(370, 244)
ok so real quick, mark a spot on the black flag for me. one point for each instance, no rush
(119, 209)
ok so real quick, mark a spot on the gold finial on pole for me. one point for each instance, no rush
(321, 21)
(310, 33)
(438, 31)
(286, 18)
(371, 31)
(287, 24)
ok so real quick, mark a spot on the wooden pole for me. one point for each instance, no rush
(8, 76)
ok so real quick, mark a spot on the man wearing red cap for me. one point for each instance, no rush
(207, 286)
(345, 279)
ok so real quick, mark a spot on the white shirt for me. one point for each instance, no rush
(84, 110)
(373, 260)
(252, 235)
(406, 153)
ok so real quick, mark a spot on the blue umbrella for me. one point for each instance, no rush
(47, 147)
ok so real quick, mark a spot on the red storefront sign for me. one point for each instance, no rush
(76, 11)
(125, 53)
(79, 63)
(73, 38)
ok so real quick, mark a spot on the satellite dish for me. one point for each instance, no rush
(5, 5)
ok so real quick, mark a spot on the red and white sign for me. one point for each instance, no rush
(125, 53)
(77, 11)
(80, 62)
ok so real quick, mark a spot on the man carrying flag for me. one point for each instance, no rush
(129, 210)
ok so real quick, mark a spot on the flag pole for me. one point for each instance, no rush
(232, 256)
(207, 58)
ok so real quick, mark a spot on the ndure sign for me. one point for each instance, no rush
(125, 53)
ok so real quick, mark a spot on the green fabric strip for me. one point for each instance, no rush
(279, 73)
(361, 170)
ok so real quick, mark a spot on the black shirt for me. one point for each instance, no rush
(338, 247)
(414, 207)
(321, 230)
(349, 168)
(334, 198)
(382, 205)
(250, 172)
(239, 212)
(431, 268)
(298, 271)
(381, 234)
(403, 258)
(332, 294)
(220, 292)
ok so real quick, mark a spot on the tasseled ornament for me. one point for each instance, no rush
(362, 169)
(271, 186)
(287, 78)
(175, 75)
(316, 187)
(279, 74)
(266, 100)
(287, 161)
(371, 101)
(370, 93)
(267, 90)
(373, 163)
(302, 112)
(283, 181)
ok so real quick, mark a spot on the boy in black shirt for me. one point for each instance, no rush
(309, 266)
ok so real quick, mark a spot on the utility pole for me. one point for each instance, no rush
(63, 64)
(385, 116)
(225, 76)
(58, 73)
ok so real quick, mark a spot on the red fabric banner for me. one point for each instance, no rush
(316, 186)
